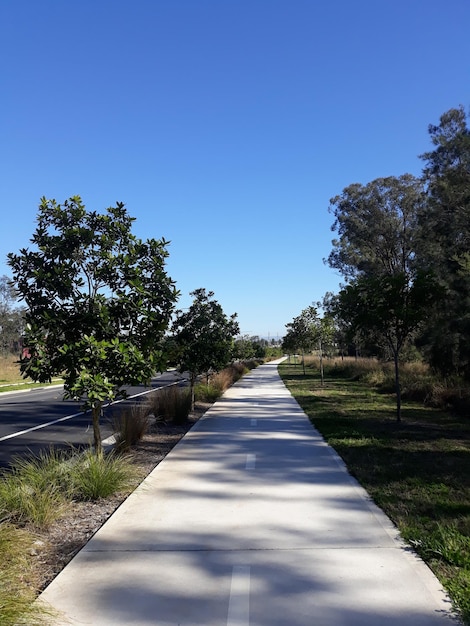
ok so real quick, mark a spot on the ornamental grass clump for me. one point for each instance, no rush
(172, 404)
(36, 490)
(97, 476)
(130, 425)
(17, 606)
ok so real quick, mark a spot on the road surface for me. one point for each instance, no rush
(33, 420)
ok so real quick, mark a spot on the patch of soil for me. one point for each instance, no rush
(55, 546)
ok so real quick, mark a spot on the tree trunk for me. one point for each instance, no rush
(96, 414)
(321, 363)
(397, 385)
(303, 361)
(192, 383)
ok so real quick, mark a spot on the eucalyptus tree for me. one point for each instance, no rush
(98, 301)
(385, 293)
(204, 335)
(11, 318)
(445, 242)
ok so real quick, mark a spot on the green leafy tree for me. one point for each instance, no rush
(387, 294)
(302, 333)
(376, 225)
(324, 336)
(98, 302)
(244, 348)
(445, 240)
(389, 308)
(11, 318)
(204, 336)
(341, 328)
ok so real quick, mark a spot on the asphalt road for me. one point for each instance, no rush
(31, 421)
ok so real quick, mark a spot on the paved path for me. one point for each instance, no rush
(251, 520)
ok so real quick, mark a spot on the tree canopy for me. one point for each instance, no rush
(98, 301)
(204, 335)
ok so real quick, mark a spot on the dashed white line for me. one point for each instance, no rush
(250, 461)
(239, 601)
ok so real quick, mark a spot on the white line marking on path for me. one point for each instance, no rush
(250, 461)
(239, 602)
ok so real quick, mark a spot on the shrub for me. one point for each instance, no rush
(97, 476)
(36, 489)
(16, 595)
(207, 392)
(171, 404)
(131, 424)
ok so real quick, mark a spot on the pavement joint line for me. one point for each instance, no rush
(225, 550)
(239, 599)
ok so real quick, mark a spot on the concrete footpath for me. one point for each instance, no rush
(251, 520)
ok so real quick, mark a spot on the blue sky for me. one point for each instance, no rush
(224, 125)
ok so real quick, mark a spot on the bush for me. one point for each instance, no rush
(131, 424)
(171, 404)
(16, 595)
(99, 476)
(36, 489)
(204, 392)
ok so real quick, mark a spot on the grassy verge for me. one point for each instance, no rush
(11, 379)
(418, 471)
(35, 493)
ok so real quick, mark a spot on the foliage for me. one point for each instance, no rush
(376, 224)
(99, 476)
(172, 404)
(16, 595)
(387, 296)
(204, 335)
(308, 331)
(444, 242)
(415, 471)
(302, 333)
(36, 489)
(98, 302)
(11, 318)
(246, 347)
(130, 425)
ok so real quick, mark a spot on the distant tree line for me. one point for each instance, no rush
(11, 319)
(402, 247)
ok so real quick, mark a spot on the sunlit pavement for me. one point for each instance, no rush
(251, 520)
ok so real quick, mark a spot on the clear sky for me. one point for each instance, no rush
(225, 126)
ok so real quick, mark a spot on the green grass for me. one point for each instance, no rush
(417, 471)
(35, 492)
(99, 476)
(16, 592)
(22, 386)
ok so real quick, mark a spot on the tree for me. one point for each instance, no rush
(377, 226)
(204, 335)
(11, 317)
(445, 240)
(98, 302)
(302, 332)
(324, 333)
(390, 308)
(387, 293)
